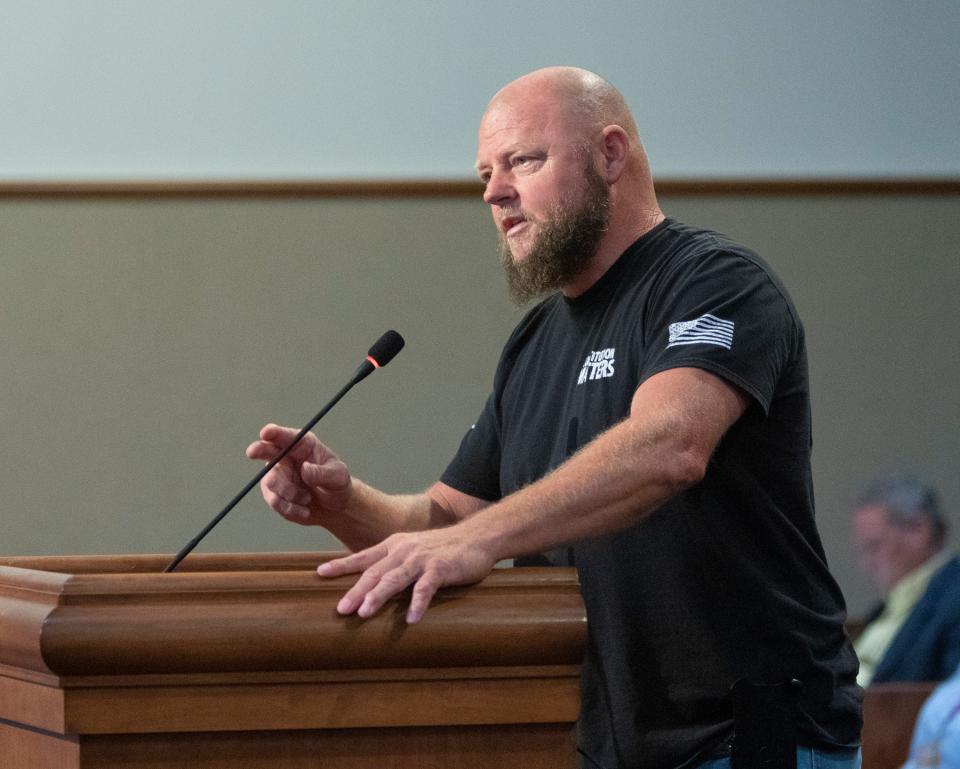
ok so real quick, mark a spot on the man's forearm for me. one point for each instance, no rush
(624, 474)
(677, 419)
(608, 485)
(372, 515)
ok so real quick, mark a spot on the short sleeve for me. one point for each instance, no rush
(725, 313)
(475, 469)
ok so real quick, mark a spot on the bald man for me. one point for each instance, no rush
(651, 414)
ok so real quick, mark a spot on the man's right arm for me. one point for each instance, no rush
(312, 486)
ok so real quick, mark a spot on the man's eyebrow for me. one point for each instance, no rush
(501, 157)
(481, 165)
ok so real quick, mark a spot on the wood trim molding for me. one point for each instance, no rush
(243, 188)
(108, 619)
(461, 188)
(801, 187)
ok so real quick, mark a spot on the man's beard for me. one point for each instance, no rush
(566, 243)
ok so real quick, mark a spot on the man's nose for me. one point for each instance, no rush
(498, 190)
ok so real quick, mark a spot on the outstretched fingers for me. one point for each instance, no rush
(423, 593)
(384, 587)
(353, 563)
(427, 560)
(384, 576)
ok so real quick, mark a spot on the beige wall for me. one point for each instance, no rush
(144, 343)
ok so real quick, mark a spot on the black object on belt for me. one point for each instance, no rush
(765, 724)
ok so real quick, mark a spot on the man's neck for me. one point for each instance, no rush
(617, 240)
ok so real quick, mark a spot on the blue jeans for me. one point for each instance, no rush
(807, 758)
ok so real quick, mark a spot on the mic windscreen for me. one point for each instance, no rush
(386, 347)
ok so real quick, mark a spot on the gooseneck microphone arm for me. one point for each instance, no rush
(382, 352)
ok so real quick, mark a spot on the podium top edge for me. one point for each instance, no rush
(78, 575)
(147, 563)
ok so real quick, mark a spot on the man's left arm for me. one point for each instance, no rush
(677, 418)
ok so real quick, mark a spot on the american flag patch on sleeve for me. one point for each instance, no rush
(707, 329)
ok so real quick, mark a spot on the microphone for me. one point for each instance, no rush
(383, 351)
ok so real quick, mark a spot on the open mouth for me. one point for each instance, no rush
(509, 223)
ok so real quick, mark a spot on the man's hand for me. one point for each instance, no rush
(309, 485)
(428, 560)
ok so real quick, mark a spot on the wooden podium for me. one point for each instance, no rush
(241, 661)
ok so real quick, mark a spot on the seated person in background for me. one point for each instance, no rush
(936, 738)
(914, 635)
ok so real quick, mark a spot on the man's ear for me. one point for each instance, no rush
(616, 150)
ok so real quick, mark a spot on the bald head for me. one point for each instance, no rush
(587, 101)
(553, 146)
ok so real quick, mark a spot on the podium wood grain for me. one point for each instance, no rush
(241, 661)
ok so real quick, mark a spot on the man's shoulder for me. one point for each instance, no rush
(683, 235)
(684, 244)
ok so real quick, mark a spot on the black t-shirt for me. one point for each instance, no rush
(728, 580)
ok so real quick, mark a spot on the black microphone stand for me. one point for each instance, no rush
(384, 350)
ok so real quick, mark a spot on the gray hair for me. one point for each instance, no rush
(907, 500)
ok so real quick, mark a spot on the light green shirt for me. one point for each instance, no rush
(879, 634)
